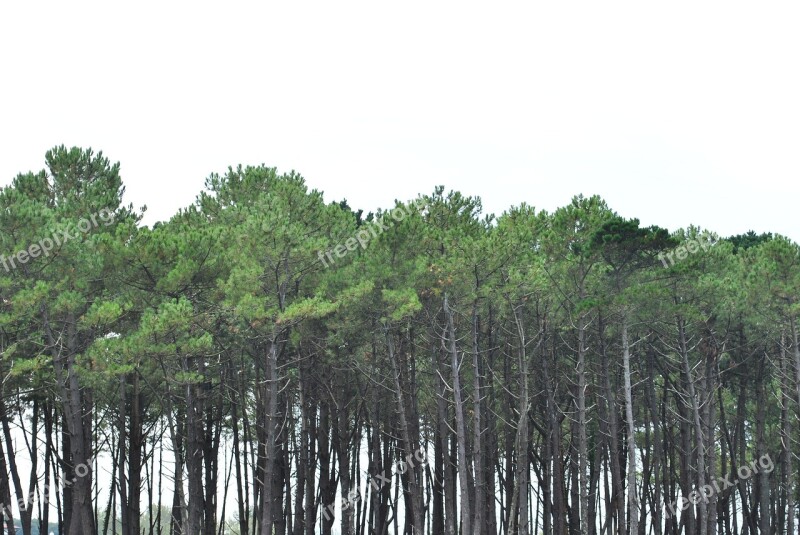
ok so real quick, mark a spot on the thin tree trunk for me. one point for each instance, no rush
(24, 502)
(194, 454)
(78, 424)
(519, 501)
(633, 501)
(479, 525)
(786, 439)
(583, 447)
(702, 505)
(6, 507)
(617, 493)
(761, 450)
(271, 409)
(413, 472)
(442, 416)
(461, 433)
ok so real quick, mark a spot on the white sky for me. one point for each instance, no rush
(675, 113)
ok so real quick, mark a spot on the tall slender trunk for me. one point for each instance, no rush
(237, 459)
(212, 412)
(461, 433)
(342, 444)
(327, 489)
(25, 502)
(194, 454)
(302, 461)
(709, 426)
(595, 470)
(658, 446)
(413, 472)
(574, 511)
(78, 424)
(761, 450)
(180, 514)
(270, 437)
(519, 500)
(702, 506)
(479, 524)
(136, 452)
(787, 415)
(555, 439)
(633, 501)
(739, 447)
(48, 457)
(442, 416)
(310, 512)
(583, 447)
(617, 506)
(124, 512)
(6, 507)
(490, 443)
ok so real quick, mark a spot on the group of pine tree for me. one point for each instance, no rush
(556, 375)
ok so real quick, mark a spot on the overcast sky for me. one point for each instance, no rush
(677, 113)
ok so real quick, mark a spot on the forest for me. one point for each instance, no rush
(269, 362)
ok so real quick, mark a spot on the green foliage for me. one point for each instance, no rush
(401, 304)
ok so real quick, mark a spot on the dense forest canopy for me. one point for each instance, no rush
(269, 362)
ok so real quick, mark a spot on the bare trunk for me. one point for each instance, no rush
(302, 461)
(446, 480)
(461, 433)
(180, 514)
(124, 513)
(6, 508)
(271, 410)
(702, 505)
(343, 453)
(77, 420)
(761, 450)
(583, 444)
(786, 440)
(25, 503)
(633, 502)
(480, 484)
(658, 446)
(194, 455)
(617, 505)
(519, 500)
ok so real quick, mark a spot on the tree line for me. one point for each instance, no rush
(279, 365)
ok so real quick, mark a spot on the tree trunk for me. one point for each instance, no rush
(761, 450)
(519, 501)
(461, 433)
(78, 424)
(24, 503)
(479, 524)
(610, 407)
(442, 415)
(583, 447)
(271, 409)
(194, 454)
(6, 505)
(633, 502)
(702, 506)
(413, 466)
